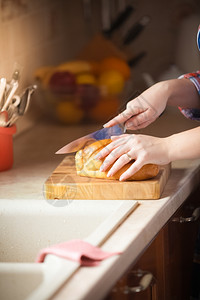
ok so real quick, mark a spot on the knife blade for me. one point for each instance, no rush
(119, 21)
(104, 133)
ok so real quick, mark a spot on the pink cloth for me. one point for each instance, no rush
(77, 250)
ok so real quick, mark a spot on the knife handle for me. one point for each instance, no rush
(128, 98)
(136, 59)
(119, 21)
(136, 29)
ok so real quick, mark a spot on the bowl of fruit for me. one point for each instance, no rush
(82, 91)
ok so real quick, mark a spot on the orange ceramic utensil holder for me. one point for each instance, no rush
(6, 147)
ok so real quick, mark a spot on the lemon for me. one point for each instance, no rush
(112, 81)
(75, 66)
(68, 113)
(86, 79)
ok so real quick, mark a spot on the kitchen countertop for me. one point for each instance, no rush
(34, 151)
(34, 161)
(134, 235)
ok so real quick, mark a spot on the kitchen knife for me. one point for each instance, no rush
(106, 20)
(119, 21)
(104, 133)
(136, 59)
(2, 90)
(136, 29)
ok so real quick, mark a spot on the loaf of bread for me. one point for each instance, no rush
(86, 165)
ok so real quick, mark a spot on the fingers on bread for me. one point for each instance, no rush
(87, 165)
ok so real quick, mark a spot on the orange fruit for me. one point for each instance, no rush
(68, 113)
(117, 64)
(106, 108)
(112, 81)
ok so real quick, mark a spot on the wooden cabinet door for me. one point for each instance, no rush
(169, 258)
(180, 235)
(150, 262)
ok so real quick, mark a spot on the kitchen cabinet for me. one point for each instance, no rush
(169, 258)
(180, 236)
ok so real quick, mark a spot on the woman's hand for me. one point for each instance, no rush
(141, 148)
(144, 109)
(139, 113)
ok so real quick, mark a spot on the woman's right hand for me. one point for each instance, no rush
(144, 109)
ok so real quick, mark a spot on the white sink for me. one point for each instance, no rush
(30, 225)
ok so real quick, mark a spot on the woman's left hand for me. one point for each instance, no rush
(142, 149)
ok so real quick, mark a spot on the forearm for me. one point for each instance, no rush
(181, 92)
(184, 145)
(144, 109)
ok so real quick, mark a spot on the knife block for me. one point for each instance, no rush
(99, 48)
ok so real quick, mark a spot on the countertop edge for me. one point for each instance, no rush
(96, 283)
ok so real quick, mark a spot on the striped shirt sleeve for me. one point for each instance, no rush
(192, 113)
(195, 78)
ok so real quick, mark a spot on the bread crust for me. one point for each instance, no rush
(87, 166)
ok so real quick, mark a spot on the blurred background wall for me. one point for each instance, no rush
(34, 33)
(42, 32)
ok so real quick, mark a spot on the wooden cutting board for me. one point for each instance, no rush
(64, 183)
